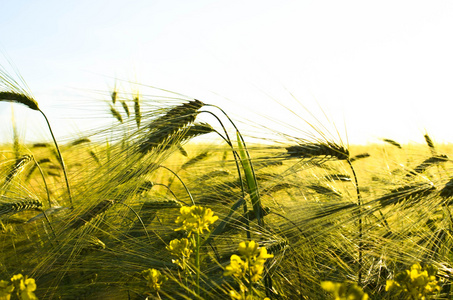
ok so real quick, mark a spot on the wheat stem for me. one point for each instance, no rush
(359, 203)
(182, 182)
(227, 139)
(139, 219)
(61, 159)
(45, 182)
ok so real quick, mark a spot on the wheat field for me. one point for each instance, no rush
(163, 204)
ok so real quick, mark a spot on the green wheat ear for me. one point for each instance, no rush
(19, 98)
(31, 103)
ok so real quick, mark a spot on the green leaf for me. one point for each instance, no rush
(250, 179)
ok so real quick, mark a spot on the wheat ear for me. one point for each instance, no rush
(430, 144)
(91, 213)
(19, 205)
(137, 112)
(19, 98)
(392, 142)
(359, 156)
(310, 150)
(126, 108)
(409, 192)
(80, 141)
(427, 164)
(19, 164)
(447, 191)
(164, 127)
(116, 114)
(187, 133)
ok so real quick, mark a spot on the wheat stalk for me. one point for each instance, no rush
(90, 244)
(145, 187)
(33, 168)
(277, 246)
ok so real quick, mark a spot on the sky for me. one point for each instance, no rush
(370, 69)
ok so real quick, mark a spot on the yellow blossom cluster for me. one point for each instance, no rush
(416, 283)
(155, 279)
(24, 287)
(195, 219)
(250, 265)
(244, 296)
(344, 290)
(182, 249)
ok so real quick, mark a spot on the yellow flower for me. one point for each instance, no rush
(155, 279)
(417, 281)
(252, 267)
(30, 287)
(248, 249)
(18, 281)
(25, 286)
(344, 291)
(182, 249)
(5, 290)
(238, 296)
(262, 255)
(195, 219)
(237, 267)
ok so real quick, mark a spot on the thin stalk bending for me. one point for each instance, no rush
(359, 203)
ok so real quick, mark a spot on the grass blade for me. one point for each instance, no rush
(251, 180)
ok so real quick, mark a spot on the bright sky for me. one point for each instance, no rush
(379, 69)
